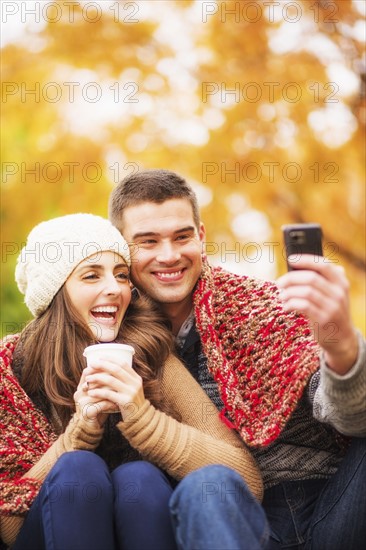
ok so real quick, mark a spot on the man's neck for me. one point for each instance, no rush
(177, 314)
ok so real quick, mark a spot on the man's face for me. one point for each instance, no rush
(166, 250)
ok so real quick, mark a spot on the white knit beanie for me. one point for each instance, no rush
(55, 247)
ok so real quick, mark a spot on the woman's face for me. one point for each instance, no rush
(99, 288)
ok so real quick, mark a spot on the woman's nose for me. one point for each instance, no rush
(112, 286)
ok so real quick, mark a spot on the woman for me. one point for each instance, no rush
(83, 449)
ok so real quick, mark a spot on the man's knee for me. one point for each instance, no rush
(213, 483)
(217, 496)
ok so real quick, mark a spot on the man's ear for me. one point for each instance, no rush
(202, 233)
(202, 238)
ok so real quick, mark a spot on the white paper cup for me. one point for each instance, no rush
(115, 352)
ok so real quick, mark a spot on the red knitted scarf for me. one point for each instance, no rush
(260, 356)
(25, 437)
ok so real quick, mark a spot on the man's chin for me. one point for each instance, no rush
(170, 299)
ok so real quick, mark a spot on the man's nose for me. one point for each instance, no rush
(168, 253)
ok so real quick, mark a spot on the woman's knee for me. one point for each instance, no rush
(140, 483)
(84, 463)
(140, 471)
(78, 474)
(142, 491)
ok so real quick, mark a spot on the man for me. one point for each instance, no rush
(300, 405)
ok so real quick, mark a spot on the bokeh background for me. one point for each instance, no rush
(259, 104)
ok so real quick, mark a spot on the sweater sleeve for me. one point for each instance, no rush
(197, 439)
(341, 400)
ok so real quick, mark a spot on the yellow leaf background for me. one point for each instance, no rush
(260, 105)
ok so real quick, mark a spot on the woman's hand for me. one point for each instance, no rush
(114, 386)
(91, 409)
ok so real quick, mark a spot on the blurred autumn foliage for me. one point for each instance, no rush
(259, 104)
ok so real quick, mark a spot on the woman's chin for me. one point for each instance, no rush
(104, 333)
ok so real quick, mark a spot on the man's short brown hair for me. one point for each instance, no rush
(155, 186)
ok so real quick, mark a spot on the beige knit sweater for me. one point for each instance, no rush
(179, 447)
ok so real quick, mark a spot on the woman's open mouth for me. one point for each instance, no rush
(105, 314)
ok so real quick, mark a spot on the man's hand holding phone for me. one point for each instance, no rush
(319, 290)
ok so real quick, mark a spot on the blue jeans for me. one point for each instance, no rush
(212, 509)
(81, 506)
(321, 514)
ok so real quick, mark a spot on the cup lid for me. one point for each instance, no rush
(107, 346)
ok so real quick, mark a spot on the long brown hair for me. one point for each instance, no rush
(51, 351)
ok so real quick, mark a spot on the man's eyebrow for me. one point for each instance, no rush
(144, 234)
(155, 234)
(185, 229)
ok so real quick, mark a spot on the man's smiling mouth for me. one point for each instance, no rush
(169, 275)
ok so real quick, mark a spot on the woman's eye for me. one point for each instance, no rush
(123, 276)
(90, 276)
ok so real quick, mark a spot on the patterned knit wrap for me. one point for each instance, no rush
(19, 453)
(260, 356)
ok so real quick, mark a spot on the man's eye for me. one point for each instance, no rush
(147, 242)
(183, 237)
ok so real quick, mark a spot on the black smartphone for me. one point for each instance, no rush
(302, 238)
